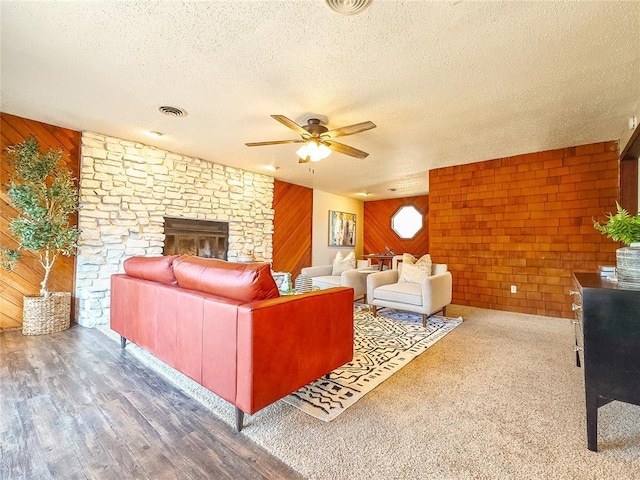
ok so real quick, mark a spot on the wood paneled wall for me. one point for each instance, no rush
(525, 221)
(377, 227)
(29, 273)
(292, 225)
(629, 184)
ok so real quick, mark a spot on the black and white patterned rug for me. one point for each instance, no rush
(382, 346)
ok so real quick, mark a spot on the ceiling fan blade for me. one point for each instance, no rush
(276, 142)
(292, 125)
(348, 130)
(345, 149)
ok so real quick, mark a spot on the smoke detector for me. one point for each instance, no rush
(172, 111)
(347, 7)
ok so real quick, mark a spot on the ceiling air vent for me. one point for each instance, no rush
(347, 7)
(172, 111)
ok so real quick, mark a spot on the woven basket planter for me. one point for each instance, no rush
(43, 315)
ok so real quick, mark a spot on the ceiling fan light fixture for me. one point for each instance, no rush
(323, 151)
(318, 141)
(313, 150)
(302, 151)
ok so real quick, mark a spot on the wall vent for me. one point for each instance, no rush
(347, 7)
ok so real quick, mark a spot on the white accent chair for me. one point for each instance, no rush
(429, 297)
(322, 278)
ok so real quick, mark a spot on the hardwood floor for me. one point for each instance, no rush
(73, 405)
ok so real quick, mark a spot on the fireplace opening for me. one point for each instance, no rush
(202, 238)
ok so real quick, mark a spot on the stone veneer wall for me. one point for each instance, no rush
(126, 190)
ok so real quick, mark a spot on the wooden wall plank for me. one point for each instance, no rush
(27, 277)
(378, 233)
(292, 225)
(629, 185)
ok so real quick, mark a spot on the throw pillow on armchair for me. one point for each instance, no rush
(415, 271)
(343, 264)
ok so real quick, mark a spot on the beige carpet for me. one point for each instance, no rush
(499, 397)
(383, 345)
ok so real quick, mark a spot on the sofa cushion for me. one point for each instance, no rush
(417, 270)
(244, 282)
(156, 269)
(410, 293)
(343, 264)
(408, 258)
(326, 281)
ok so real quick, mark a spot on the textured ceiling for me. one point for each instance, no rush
(446, 82)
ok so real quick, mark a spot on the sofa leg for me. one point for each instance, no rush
(239, 419)
(444, 311)
(424, 320)
(374, 310)
(123, 342)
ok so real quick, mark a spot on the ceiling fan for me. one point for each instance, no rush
(318, 140)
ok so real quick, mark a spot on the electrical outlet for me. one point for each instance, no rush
(513, 289)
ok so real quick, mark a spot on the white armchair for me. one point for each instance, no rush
(322, 278)
(430, 296)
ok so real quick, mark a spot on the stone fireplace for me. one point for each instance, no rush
(128, 190)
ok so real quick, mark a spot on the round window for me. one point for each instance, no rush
(407, 221)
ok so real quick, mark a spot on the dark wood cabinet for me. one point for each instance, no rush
(607, 344)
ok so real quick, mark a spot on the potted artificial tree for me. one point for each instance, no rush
(44, 193)
(624, 228)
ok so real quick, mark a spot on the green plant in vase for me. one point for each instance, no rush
(620, 227)
(625, 228)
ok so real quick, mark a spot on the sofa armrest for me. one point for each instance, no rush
(285, 343)
(375, 280)
(355, 280)
(319, 271)
(437, 268)
(437, 291)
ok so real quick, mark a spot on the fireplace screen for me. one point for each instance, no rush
(202, 238)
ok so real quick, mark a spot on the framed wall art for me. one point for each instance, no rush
(342, 229)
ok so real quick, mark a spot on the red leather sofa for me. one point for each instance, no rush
(226, 326)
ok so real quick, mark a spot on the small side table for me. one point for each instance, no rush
(381, 258)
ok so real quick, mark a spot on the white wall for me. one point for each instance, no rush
(322, 254)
